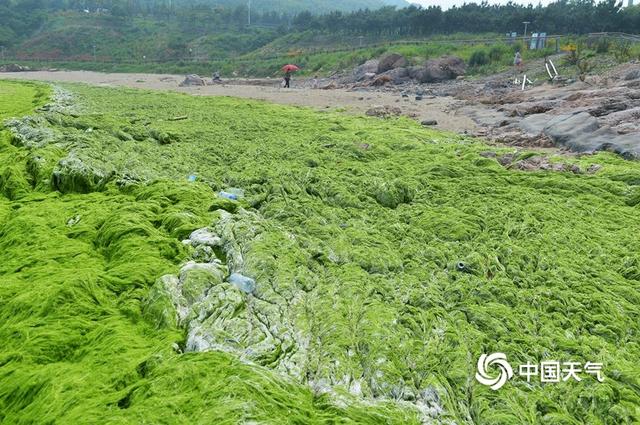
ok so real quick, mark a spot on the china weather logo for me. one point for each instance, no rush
(485, 362)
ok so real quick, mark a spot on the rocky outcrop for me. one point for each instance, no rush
(14, 67)
(391, 61)
(437, 70)
(193, 80)
(581, 132)
(366, 70)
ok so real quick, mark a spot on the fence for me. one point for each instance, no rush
(312, 51)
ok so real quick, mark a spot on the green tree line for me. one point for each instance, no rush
(20, 18)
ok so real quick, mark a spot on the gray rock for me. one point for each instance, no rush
(161, 306)
(30, 131)
(383, 111)
(14, 67)
(634, 74)
(581, 132)
(391, 61)
(565, 129)
(435, 70)
(204, 236)
(72, 174)
(429, 122)
(366, 70)
(193, 80)
(398, 75)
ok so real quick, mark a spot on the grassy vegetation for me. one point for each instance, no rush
(256, 64)
(111, 44)
(360, 226)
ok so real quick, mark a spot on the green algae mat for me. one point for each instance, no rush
(174, 259)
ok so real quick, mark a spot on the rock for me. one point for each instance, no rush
(332, 85)
(160, 305)
(634, 74)
(383, 111)
(609, 106)
(204, 236)
(14, 67)
(522, 109)
(366, 70)
(397, 75)
(435, 70)
(581, 132)
(565, 128)
(418, 97)
(391, 61)
(197, 278)
(594, 168)
(30, 131)
(72, 174)
(381, 80)
(429, 122)
(193, 80)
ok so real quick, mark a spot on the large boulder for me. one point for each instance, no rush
(436, 70)
(398, 75)
(369, 67)
(193, 80)
(391, 61)
(633, 74)
(14, 67)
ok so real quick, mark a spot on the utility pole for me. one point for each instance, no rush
(249, 12)
(526, 24)
(2, 50)
(94, 53)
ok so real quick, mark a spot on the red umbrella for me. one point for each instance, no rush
(290, 68)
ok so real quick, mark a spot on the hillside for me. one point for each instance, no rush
(294, 6)
(168, 37)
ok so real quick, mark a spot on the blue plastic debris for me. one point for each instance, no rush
(232, 193)
(228, 195)
(243, 283)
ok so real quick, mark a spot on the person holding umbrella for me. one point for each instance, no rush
(288, 70)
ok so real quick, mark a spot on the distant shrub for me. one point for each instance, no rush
(495, 54)
(517, 47)
(479, 58)
(622, 51)
(602, 46)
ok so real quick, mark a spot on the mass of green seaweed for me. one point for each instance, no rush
(386, 258)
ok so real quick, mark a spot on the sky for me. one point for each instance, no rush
(445, 4)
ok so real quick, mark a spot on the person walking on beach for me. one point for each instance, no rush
(517, 61)
(288, 70)
(287, 79)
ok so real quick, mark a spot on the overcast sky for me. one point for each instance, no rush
(445, 4)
